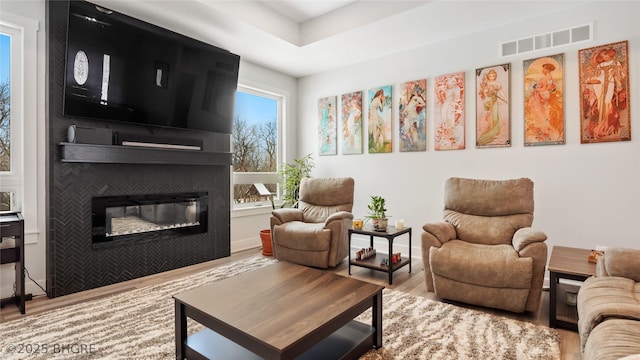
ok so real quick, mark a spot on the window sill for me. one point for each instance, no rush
(249, 210)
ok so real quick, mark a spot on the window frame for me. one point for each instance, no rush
(240, 178)
(12, 181)
(29, 194)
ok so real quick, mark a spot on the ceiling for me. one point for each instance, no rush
(302, 11)
(305, 37)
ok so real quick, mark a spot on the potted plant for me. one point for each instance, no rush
(378, 213)
(265, 235)
(292, 174)
(267, 247)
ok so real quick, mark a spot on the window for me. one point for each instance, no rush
(10, 170)
(5, 103)
(256, 146)
(19, 178)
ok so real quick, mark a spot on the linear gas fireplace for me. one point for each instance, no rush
(136, 218)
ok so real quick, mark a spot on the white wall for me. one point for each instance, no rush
(31, 16)
(585, 195)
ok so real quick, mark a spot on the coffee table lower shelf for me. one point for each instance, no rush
(348, 342)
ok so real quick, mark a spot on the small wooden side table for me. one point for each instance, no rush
(566, 263)
(376, 262)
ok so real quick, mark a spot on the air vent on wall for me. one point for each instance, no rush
(551, 39)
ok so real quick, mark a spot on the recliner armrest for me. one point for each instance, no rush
(620, 262)
(443, 231)
(287, 214)
(526, 236)
(340, 215)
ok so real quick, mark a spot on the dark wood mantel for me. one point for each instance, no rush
(118, 154)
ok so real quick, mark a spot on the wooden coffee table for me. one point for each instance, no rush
(281, 311)
(566, 263)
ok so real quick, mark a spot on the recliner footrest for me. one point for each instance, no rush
(496, 266)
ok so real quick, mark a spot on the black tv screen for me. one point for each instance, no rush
(123, 69)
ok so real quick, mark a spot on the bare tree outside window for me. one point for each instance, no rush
(5, 121)
(5, 127)
(255, 144)
(5, 103)
(245, 146)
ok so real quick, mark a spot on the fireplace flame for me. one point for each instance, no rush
(134, 225)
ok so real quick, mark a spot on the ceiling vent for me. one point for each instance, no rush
(551, 39)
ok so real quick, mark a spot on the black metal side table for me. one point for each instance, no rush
(12, 225)
(566, 263)
(378, 262)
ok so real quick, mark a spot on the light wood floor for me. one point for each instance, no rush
(412, 283)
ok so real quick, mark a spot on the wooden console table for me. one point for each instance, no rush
(12, 225)
(566, 263)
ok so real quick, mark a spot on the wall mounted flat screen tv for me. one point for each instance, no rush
(123, 69)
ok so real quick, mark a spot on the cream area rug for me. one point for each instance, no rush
(419, 328)
(139, 324)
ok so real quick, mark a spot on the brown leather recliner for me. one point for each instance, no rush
(316, 233)
(609, 307)
(485, 251)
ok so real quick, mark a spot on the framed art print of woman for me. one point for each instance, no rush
(604, 90)
(493, 123)
(412, 124)
(544, 101)
(352, 123)
(449, 115)
(379, 120)
(327, 126)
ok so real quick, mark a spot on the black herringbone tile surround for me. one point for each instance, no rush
(73, 264)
